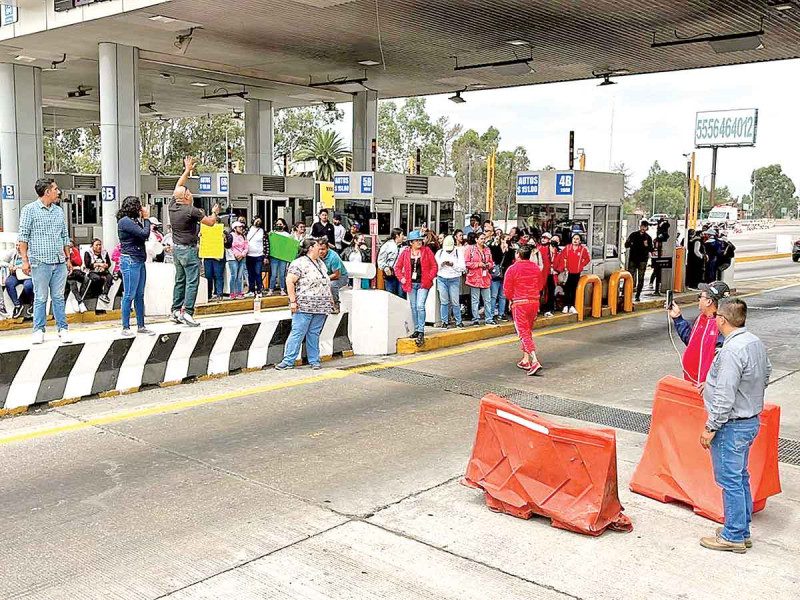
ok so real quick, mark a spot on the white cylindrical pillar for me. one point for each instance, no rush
(258, 137)
(21, 149)
(119, 132)
(365, 128)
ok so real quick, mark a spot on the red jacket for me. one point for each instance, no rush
(700, 349)
(572, 260)
(402, 268)
(523, 281)
(478, 276)
(75, 257)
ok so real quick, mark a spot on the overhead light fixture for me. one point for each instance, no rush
(238, 115)
(25, 58)
(607, 74)
(369, 63)
(730, 42)
(782, 6)
(162, 19)
(182, 41)
(606, 81)
(54, 64)
(200, 84)
(330, 106)
(81, 92)
(456, 98)
(518, 43)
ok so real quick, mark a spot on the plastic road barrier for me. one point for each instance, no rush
(527, 465)
(676, 468)
(597, 296)
(627, 292)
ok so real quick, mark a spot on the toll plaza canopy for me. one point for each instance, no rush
(301, 52)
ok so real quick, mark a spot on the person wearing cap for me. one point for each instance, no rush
(703, 337)
(639, 245)
(451, 267)
(712, 248)
(235, 256)
(416, 269)
(733, 396)
(522, 286)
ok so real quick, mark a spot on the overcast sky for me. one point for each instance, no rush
(653, 119)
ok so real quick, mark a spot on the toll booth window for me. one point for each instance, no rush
(84, 209)
(446, 217)
(612, 232)
(544, 217)
(384, 223)
(356, 211)
(420, 215)
(598, 232)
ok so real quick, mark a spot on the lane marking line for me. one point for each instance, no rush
(159, 409)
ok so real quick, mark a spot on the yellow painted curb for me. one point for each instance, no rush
(757, 257)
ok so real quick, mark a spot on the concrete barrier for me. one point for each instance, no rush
(100, 362)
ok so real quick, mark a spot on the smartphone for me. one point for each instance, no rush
(670, 299)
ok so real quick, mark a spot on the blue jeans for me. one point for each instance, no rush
(449, 298)
(277, 274)
(187, 277)
(475, 295)
(306, 326)
(11, 287)
(730, 452)
(236, 269)
(498, 298)
(134, 278)
(255, 266)
(417, 298)
(392, 285)
(48, 280)
(214, 269)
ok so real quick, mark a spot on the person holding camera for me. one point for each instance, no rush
(387, 259)
(448, 281)
(133, 230)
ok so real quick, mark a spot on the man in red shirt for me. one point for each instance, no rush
(522, 286)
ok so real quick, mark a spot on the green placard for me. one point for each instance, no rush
(283, 247)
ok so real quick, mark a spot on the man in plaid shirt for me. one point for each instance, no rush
(44, 247)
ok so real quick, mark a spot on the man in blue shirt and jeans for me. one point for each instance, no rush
(44, 246)
(733, 395)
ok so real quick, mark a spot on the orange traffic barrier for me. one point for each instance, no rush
(676, 468)
(627, 292)
(678, 267)
(597, 296)
(527, 465)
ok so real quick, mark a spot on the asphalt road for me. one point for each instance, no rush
(343, 483)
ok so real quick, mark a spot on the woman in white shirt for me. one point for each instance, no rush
(255, 258)
(448, 281)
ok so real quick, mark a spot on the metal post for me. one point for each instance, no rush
(713, 177)
(654, 195)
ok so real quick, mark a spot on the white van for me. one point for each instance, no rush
(723, 215)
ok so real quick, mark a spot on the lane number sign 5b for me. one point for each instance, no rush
(726, 128)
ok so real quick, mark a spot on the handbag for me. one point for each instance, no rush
(20, 274)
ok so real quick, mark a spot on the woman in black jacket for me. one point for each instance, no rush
(133, 228)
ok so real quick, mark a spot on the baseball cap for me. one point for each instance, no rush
(414, 235)
(716, 291)
(448, 243)
(237, 224)
(547, 235)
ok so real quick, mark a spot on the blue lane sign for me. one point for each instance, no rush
(8, 192)
(527, 185)
(205, 183)
(10, 15)
(341, 184)
(366, 184)
(565, 184)
(108, 193)
(223, 184)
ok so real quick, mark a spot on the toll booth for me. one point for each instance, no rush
(396, 200)
(584, 202)
(206, 189)
(81, 203)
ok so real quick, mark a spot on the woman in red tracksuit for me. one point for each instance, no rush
(572, 259)
(522, 286)
(548, 254)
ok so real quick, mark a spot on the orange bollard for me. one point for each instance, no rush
(613, 291)
(678, 267)
(675, 468)
(597, 296)
(527, 465)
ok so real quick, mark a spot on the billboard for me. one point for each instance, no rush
(726, 128)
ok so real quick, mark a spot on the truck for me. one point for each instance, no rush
(723, 214)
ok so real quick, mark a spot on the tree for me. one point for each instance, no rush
(327, 148)
(509, 163)
(296, 127)
(772, 191)
(72, 151)
(661, 192)
(469, 154)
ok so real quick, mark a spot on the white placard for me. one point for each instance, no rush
(726, 128)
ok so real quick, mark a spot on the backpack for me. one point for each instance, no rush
(228, 243)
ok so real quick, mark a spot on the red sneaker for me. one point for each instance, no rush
(524, 365)
(534, 369)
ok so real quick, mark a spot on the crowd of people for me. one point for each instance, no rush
(710, 253)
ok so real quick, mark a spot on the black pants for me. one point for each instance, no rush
(549, 303)
(77, 283)
(105, 279)
(637, 270)
(569, 288)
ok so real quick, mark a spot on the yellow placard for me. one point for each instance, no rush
(326, 194)
(212, 241)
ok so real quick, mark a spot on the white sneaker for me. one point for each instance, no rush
(190, 321)
(38, 337)
(64, 336)
(566, 310)
(176, 317)
(548, 314)
(572, 310)
(127, 333)
(82, 308)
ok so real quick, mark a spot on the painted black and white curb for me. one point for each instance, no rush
(102, 361)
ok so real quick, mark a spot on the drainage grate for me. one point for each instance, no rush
(629, 420)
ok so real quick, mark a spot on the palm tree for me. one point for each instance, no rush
(328, 149)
